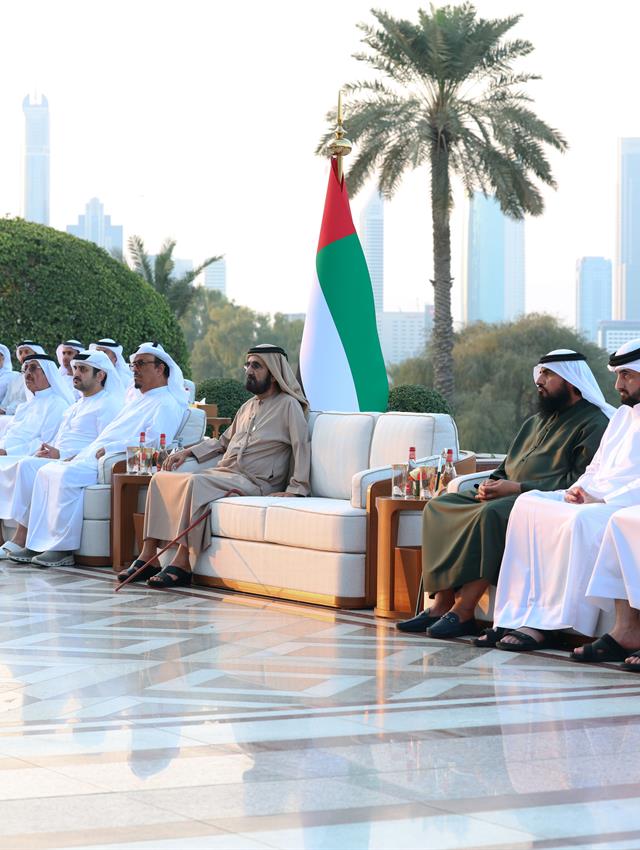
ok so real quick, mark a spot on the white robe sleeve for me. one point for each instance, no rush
(39, 426)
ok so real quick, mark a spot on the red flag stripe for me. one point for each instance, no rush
(336, 219)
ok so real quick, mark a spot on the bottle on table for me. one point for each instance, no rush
(449, 471)
(162, 454)
(409, 492)
(144, 460)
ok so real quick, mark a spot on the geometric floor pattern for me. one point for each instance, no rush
(195, 719)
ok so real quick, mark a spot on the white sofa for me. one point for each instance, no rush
(95, 544)
(316, 549)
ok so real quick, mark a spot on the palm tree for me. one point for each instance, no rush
(178, 291)
(447, 96)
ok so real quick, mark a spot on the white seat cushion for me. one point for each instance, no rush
(240, 517)
(339, 448)
(97, 502)
(330, 525)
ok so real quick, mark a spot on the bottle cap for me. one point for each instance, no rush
(449, 454)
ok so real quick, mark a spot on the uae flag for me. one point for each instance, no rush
(341, 362)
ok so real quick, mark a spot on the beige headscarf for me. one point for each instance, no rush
(275, 359)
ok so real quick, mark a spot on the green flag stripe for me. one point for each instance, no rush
(345, 283)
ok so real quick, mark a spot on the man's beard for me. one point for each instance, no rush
(630, 399)
(556, 402)
(257, 387)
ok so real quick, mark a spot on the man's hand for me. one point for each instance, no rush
(491, 489)
(2, 453)
(176, 459)
(578, 496)
(46, 450)
(101, 453)
(2, 411)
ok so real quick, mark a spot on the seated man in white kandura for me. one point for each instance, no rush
(57, 502)
(16, 393)
(37, 419)
(265, 449)
(100, 402)
(553, 538)
(615, 581)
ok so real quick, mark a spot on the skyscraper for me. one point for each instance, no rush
(372, 239)
(36, 159)
(215, 276)
(95, 226)
(593, 294)
(626, 296)
(494, 265)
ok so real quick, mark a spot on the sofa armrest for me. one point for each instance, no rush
(362, 481)
(106, 464)
(465, 483)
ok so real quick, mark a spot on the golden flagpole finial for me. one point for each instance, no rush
(340, 146)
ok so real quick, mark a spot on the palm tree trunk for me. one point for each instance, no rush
(442, 338)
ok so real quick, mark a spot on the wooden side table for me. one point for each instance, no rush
(395, 566)
(124, 504)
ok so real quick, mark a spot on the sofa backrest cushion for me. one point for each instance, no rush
(191, 430)
(396, 432)
(340, 446)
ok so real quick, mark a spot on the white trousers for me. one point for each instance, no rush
(8, 473)
(550, 551)
(57, 505)
(616, 574)
(26, 472)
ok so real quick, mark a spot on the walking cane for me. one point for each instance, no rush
(173, 542)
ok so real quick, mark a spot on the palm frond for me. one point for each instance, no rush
(139, 257)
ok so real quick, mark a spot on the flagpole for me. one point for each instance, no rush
(340, 146)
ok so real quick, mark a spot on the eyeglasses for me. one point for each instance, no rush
(138, 364)
(31, 367)
(253, 365)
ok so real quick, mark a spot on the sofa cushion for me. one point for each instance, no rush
(330, 525)
(97, 502)
(240, 517)
(192, 427)
(340, 446)
(396, 432)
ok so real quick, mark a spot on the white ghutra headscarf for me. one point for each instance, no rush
(626, 357)
(573, 368)
(122, 368)
(99, 360)
(70, 343)
(57, 382)
(176, 378)
(29, 343)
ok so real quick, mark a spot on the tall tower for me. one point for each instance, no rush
(215, 276)
(36, 159)
(626, 296)
(593, 294)
(494, 264)
(95, 226)
(372, 238)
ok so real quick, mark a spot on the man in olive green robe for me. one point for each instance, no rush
(464, 534)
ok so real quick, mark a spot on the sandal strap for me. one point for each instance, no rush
(605, 648)
(173, 570)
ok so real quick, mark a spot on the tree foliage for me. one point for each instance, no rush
(414, 398)
(227, 393)
(447, 95)
(493, 366)
(219, 332)
(54, 286)
(179, 291)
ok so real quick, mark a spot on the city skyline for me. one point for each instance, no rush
(94, 226)
(493, 272)
(162, 183)
(36, 159)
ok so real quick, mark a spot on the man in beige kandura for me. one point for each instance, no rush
(266, 451)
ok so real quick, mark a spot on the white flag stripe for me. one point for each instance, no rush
(328, 383)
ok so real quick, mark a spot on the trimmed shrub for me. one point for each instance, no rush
(414, 398)
(227, 393)
(53, 286)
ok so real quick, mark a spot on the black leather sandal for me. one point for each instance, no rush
(525, 643)
(490, 637)
(142, 575)
(605, 648)
(171, 576)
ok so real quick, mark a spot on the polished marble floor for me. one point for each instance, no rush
(195, 719)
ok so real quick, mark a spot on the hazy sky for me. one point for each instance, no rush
(198, 120)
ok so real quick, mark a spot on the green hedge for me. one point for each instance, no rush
(415, 398)
(53, 286)
(227, 393)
